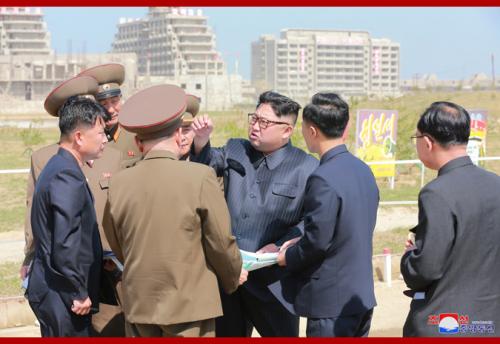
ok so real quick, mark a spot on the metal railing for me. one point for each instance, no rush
(422, 174)
(383, 203)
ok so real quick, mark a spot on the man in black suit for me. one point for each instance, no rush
(333, 260)
(452, 268)
(64, 279)
(264, 181)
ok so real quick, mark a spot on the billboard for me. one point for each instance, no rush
(477, 140)
(376, 132)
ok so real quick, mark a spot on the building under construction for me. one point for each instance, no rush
(170, 45)
(23, 32)
(170, 41)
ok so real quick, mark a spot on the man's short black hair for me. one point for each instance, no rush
(77, 111)
(282, 105)
(445, 122)
(329, 113)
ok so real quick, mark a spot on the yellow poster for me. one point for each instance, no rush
(376, 132)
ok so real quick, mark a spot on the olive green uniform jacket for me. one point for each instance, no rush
(168, 222)
(124, 141)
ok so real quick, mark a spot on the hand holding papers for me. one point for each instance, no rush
(254, 261)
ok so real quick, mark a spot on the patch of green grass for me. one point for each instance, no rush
(12, 219)
(13, 204)
(10, 283)
(16, 145)
(394, 240)
(399, 194)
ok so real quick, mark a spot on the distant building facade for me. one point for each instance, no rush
(170, 45)
(23, 31)
(32, 77)
(170, 41)
(302, 62)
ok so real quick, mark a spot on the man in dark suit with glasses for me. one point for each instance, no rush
(264, 182)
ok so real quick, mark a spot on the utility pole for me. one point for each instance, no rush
(69, 57)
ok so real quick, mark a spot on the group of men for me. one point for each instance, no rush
(141, 181)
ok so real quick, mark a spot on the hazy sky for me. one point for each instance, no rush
(451, 42)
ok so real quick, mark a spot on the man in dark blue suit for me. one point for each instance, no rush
(333, 260)
(64, 279)
(264, 182)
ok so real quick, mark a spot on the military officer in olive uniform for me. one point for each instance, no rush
(167, 221)
(110, 77)
(192, 108)
(110, 320)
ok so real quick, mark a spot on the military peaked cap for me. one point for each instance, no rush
(82, 85)
(154, 112)
(109, 77)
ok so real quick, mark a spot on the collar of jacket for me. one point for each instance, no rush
(159, 154)
(274, 159)
(113, 133)
(333, 153)
(67, 155)
(455, 163)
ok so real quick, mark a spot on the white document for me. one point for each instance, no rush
(254, 261)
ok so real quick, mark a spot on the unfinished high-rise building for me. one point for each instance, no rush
(23, 31)
(302, 62)
(170, 41)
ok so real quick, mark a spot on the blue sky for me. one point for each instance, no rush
(451, 42)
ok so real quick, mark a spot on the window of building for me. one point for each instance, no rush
(198, 86)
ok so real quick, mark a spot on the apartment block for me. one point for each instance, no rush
(302, 62)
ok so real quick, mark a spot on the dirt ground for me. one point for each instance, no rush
(392, 217)
(388, 317)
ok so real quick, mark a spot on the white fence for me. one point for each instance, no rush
(385, 203)
(422, 175)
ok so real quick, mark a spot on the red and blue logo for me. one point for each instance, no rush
(448, 323)
(454, 323)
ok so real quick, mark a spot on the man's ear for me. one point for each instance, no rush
(178, 136)
(77, 138)
(288, 132)
(429, 144)
(313, 130)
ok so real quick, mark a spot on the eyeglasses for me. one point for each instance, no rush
(415, 137)
(263, 123)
